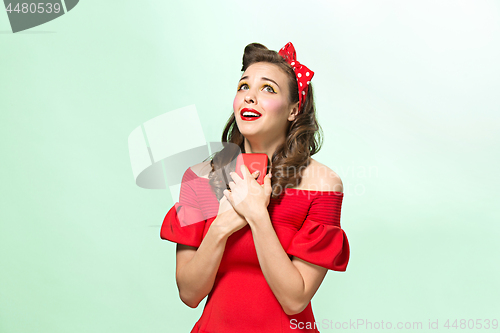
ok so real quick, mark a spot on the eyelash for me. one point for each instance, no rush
(265, 86)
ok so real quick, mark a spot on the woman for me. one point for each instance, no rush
(260, 252)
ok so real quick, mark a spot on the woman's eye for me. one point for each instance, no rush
(244, 86)
(269, 88)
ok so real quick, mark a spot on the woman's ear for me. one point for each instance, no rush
(294, 111)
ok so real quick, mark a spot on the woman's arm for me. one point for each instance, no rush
(196, 268)
(293, 283)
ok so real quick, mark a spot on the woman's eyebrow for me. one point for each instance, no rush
(262, 78)
(265, 78)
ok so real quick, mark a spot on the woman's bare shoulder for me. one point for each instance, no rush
(319, 177)
(202, 169)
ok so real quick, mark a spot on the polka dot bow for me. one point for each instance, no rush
(302, 73)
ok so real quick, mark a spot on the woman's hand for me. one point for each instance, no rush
(227, 218)
(248, 197)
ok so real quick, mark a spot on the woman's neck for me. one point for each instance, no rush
(260, 147)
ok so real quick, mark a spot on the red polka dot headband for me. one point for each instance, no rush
(302, 73)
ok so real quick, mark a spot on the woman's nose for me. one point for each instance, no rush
(249, 98)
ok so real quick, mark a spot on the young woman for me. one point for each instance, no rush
(260, 252)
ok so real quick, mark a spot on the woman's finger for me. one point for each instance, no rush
(227, 194)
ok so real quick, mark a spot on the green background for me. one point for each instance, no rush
(407, 96)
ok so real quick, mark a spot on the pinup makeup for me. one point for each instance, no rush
(249, 114)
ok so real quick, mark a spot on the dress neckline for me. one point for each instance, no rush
(287, 189)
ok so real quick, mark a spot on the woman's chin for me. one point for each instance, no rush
(249, 132)
(245, 127)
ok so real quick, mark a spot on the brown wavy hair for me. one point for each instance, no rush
(303, 138)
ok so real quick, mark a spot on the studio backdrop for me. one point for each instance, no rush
(104, 104)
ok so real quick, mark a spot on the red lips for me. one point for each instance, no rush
(249, 118)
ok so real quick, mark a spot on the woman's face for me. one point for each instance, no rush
(263, 89)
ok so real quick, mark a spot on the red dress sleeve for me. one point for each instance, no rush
(320, 240)
(184, 222)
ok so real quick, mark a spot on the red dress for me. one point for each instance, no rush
(307, 224)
